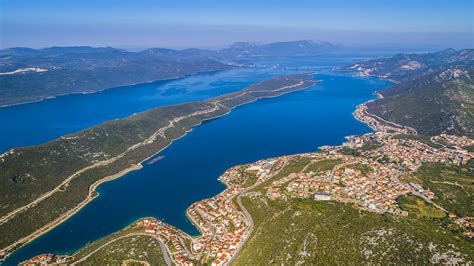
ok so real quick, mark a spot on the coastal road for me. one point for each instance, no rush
(382, 120)
(160, 132)
(210, 107)
(247, 214)
(164, 250)
(250, 224)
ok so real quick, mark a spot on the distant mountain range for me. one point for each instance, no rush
(303, 47)
(239, 49)
(435, 93)
(33, 74)
(402, 67)
(30, 75)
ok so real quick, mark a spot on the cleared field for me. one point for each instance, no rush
(419, 207)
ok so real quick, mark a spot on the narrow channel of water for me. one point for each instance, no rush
(293, 123)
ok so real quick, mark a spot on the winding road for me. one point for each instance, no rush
(163, 247)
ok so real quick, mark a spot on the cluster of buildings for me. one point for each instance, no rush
(45, 259)
(222, 227)
(355, 142)
(452, 140)
(408, 155)
(412, 153)
(377, 123)
(174, 239)
(467, 223)
(376, 190)
(262, 169)
(378, 186)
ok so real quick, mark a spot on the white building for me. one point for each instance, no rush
(322, 196)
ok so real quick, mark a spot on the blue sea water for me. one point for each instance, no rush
(35, 123)
(293, 123)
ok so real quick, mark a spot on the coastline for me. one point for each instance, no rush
(12, 248)
(26, 240)
(110, 88)
(50, 226)
(361, 112)
(227, 187)
(359, 73)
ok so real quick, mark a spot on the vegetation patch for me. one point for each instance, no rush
(23, 179)
(250, 177)
(419, 207)
(308, 232)
(364, 169)
(423, 139)
(452, 185)
(122, 247)
(132, 250)
(323, 165)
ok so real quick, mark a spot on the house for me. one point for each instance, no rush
(322, 196)
(150, 229)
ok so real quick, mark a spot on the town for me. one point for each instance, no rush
(366, 180)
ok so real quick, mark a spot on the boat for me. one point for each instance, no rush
(154, 160)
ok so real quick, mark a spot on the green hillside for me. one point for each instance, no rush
(437, 103)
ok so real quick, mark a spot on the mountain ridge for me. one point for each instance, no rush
(434, 93)
(28, 74)
(404, 67)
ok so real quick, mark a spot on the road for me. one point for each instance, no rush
(247, 214)
(209, 107)
(164, 250)
(160, 132)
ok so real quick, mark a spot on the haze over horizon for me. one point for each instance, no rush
(214, 24)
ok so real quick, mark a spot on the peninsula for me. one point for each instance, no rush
(50, 182)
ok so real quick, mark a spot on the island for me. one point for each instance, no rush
(48, 183)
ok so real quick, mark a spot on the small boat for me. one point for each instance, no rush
(154, 160)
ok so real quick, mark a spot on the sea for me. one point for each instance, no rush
(188, 172)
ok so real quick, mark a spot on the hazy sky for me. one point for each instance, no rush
(209, 23)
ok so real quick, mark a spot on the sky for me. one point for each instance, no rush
(139, 24)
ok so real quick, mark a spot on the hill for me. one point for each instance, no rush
(437, 103)
(291, 48)
(33, 74)
(30, 75)
(403, 67)
(434, 94)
